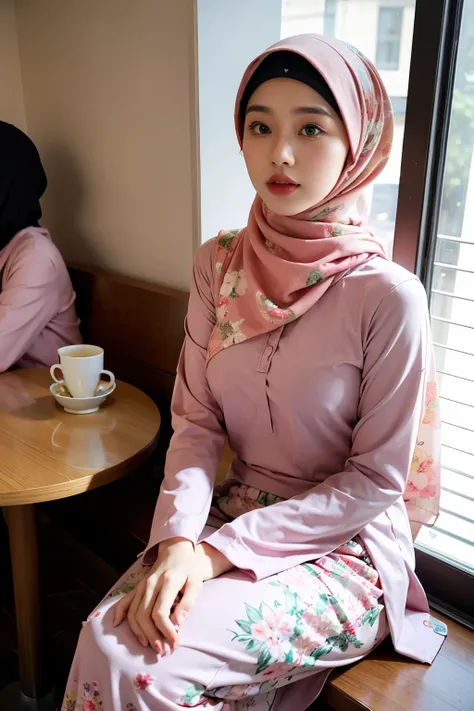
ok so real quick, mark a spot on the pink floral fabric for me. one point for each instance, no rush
(89, 698)
(143, 681)
(422, 495)
(232, 499)
(291, 628)
(318, 608)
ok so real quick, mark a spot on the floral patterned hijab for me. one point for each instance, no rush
(278, 267)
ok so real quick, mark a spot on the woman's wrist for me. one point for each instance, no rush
(211, 561)
(175, 544)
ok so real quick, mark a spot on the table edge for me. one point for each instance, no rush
(86, 483)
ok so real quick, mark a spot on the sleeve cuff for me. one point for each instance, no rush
(236, 551)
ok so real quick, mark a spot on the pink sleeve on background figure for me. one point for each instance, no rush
(266, 541)
(29, 300)
(198, 440)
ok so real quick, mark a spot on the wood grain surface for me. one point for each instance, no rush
(46, 453)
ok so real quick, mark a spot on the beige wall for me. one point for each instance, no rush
(110, 102)
(11, 93)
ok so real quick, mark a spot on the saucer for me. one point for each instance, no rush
(79, 405)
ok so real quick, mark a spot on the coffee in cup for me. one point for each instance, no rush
(81, 369)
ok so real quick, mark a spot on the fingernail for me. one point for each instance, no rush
(143, 641)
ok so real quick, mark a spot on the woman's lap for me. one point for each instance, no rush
(241, 641)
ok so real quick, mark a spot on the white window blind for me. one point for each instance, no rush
(452, 316)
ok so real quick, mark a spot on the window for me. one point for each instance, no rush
(389, 36)
(451, 282)
(434, 236)
(383, 210)
(399, 105)
(329, 28)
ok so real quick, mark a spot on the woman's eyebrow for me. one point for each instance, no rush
(258, 107)
(320, 110)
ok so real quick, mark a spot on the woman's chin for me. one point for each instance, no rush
(284, 206)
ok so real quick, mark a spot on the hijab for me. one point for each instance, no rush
(22, 183)
(278, 267)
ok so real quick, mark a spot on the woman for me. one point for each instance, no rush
(37, 314)
(311, 352)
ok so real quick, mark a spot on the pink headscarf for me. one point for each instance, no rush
(277, 268)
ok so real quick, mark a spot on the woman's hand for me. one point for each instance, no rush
(149, 607)
(162, 599)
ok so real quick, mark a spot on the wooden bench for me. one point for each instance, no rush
(140, 327)
(386, 681)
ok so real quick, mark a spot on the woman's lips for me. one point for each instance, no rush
(282, 188)
(281, 184)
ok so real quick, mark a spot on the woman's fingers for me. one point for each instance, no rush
(144, 615)
(153, 636)
(172, 583)
(122, 606)
(132, 614)
(159, 604)
(191, 592)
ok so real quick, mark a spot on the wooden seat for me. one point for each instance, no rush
(386, 681)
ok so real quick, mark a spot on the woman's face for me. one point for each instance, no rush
(294, 144)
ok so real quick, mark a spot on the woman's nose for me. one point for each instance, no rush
(282, 153)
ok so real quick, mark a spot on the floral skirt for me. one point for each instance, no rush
(263, 644)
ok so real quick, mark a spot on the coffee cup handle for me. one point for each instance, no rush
(111, 376)
(52, 369)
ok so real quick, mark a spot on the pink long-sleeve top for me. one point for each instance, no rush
(37, 313)
(323, 412)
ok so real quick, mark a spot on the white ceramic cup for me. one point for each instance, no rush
(81, 368)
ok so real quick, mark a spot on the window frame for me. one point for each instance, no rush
(429, 100)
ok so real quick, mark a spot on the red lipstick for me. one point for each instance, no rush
(280, 184)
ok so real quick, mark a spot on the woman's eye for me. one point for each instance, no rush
(310, 130)
(259, 128)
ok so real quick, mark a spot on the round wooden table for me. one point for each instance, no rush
(47, 454)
